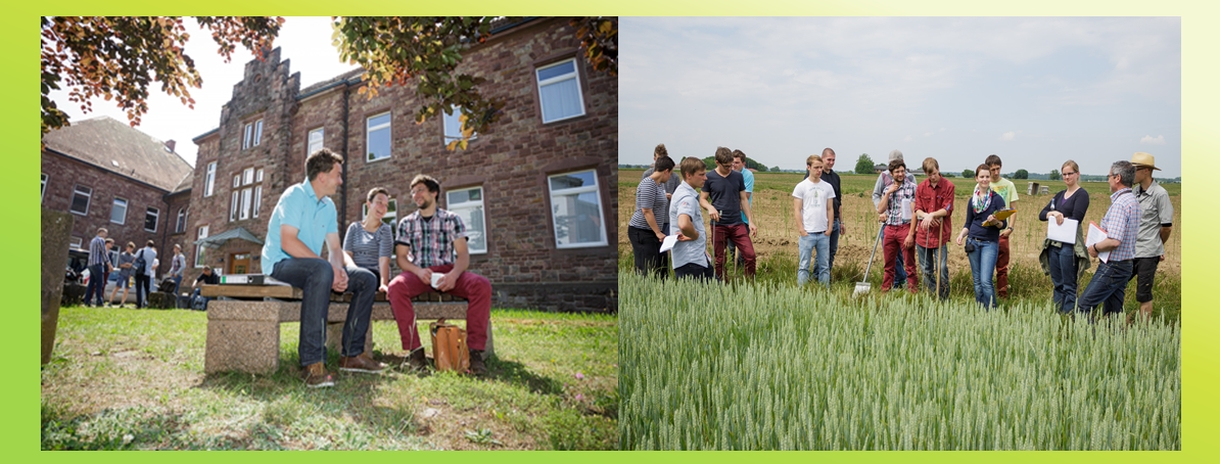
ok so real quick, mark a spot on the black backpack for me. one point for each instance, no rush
(141, 264)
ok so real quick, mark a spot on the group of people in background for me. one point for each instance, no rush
(916, 226)
(129, 268)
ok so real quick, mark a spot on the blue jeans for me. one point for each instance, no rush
(834, 243)
(1062, 263)
(900, 273)
(982, 269)
(177, 282)
(1109, 286)
(97, 282)
(314, 277)
(198, 302)
(821, 267)
(927, 263)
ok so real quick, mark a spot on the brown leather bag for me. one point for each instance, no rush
(449, 349)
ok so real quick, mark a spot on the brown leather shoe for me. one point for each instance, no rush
(361, 363)
(416, 362)
(476, 363)
(315, 376)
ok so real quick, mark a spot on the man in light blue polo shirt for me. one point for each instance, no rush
(303, 219)
(739, 165)
(690, 257)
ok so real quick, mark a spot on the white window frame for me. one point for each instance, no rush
(258, 198)
(43, 195)
(156, 215)
(247, 136)
(180, 226)
(75, 242)
(233, 205)
(245, 203)
(200, 235)
(88, 194)
(575, 74)
(368, 133)
(596, 188)
(258, 132)
(210, 181)
(311, 145)
(473, 206)
(115, 204)
(236, 180)
(258, 176)
(452, 127)
(247, 176)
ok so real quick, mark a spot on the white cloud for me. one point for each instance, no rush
(1150, 140)
(1008, 136)
(927, 134)
(908, 139)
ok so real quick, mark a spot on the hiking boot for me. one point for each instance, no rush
(416, 362)
(315, 376)
(476, 363)
(360, 363)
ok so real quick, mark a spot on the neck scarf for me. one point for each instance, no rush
(981, 199)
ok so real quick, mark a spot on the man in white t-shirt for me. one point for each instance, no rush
(813, 208)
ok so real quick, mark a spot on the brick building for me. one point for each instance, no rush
(111, 175)
(536, 191)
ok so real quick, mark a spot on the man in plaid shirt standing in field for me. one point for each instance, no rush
(1121, 224)
(435, 241)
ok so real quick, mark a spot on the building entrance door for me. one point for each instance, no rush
(239, 263)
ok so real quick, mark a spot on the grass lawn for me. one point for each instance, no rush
(133, 379)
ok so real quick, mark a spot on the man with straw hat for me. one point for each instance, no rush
(1156, 223)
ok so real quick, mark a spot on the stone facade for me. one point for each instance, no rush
(512, 163)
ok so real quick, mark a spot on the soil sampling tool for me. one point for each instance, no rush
(864, 286)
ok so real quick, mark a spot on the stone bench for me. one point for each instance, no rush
(244, 323)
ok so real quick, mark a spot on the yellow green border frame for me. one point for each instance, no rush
(1200, 141)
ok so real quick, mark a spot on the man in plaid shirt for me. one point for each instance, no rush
(895, 208)
(1121, 223)
(432, 244)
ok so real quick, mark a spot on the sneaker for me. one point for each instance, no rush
(360, 363)
(416, 362)
(315, 376)
(476, 363)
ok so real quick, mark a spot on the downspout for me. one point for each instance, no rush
(347, 160)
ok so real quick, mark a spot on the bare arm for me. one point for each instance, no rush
(460, 264)
(745, 206)
(707, 205)
(687, 227)
(400, 253)
(797, 204)
(651, 219)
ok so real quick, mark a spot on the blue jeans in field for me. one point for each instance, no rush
(900, 273)
(927, 261)
(821, 267)
(982, 268)
(1109, 286)
(1062, 263)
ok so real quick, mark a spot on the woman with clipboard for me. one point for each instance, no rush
(1065, 260)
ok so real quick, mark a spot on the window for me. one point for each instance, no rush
(315, 141)
(245, 203)
(468, 203)
(453, 126)
(75, 242)
(114, 255)
(247, 176)
(559, 91)
(391, 214)
(233, 207)
(210, 179)
(252, 135)
(181, 224)
(80, 199)
(150, 219)
(43, 194)
(118, 211)
(576, 209)
(237, 181)
(258, 177)
(378, 137)
(258, 197)
(199, 249)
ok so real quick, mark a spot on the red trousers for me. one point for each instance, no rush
(891, 245)
(1001, 269)
(739, 234)
(475, 288)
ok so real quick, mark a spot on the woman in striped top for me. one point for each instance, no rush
(370, 242)
(644, 230)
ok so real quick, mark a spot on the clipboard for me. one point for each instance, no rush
(1000, 216)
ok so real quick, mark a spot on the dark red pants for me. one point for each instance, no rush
(1001, 269)
(891, 245)
(475, 288)
(739, 234)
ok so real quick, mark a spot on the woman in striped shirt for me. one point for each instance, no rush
(370, 242)
(644, 230)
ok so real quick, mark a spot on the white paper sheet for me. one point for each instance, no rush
(1065, 233)
(906, 209)
(668, 243)
(1096, 235)
(436, 279)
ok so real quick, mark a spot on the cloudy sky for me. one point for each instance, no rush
(1036, 91)
(304, 40)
